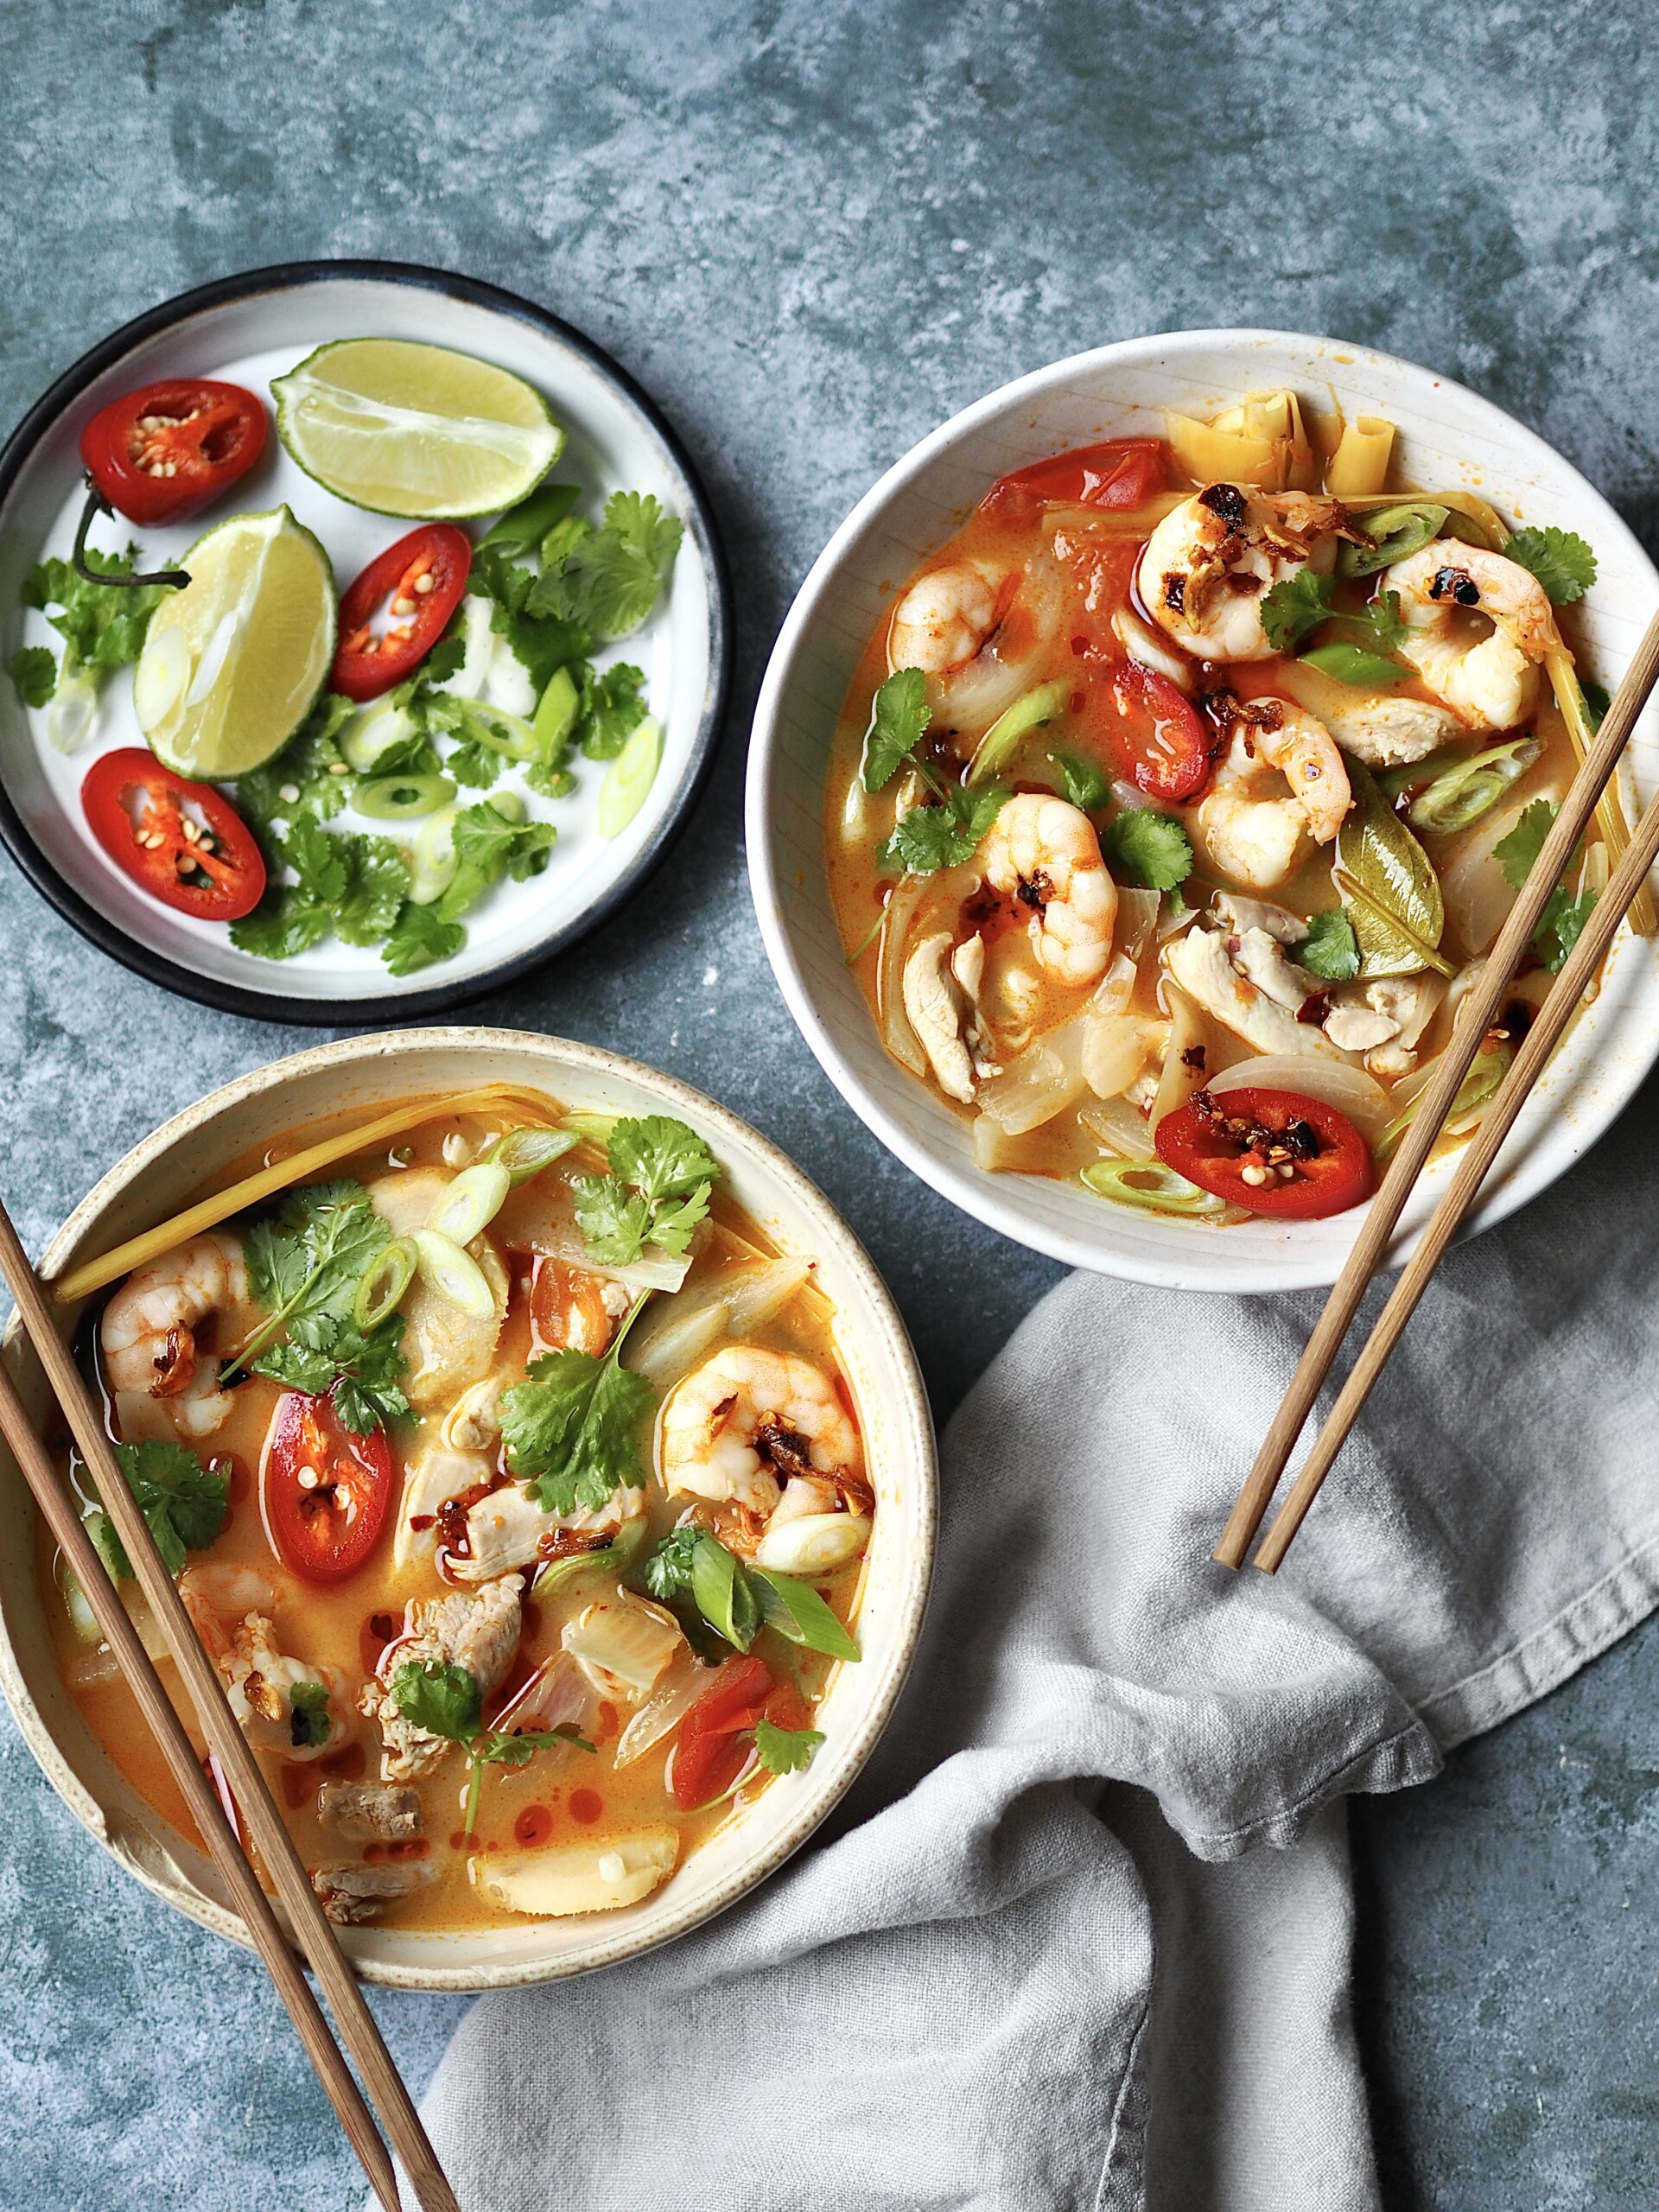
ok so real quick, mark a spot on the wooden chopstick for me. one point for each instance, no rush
(1578, 972)
(1475, 1018)
(356, 2023)
(198, 1794)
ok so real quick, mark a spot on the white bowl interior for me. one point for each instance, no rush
(368, 1073)
(612, 447)
(1450, 437)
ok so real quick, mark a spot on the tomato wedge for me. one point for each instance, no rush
(1159, 739)
(1272, 1151)
(163, 452)
(709, 1756)
(324, 1493)
(1120, 475)
(418, 581)
(184, 843)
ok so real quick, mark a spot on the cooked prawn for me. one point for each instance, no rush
(1043, 850)
(1257, 837)
(944, 618)
(764, 1436)
(1488, 682)
(165, 1331)
(1210, 560)
(229, 1608)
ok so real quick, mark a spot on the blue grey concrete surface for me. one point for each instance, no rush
(813, 231)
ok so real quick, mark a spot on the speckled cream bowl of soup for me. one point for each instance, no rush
(764, 1209)
(820, 873)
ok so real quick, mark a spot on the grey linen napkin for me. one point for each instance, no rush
(1040, 1962)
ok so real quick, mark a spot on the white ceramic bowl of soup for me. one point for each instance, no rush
(339, 1085)
(1447, 437)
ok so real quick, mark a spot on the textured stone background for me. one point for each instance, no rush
(813, 231)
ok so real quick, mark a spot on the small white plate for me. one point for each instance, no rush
(247, 330)
(1448, 436)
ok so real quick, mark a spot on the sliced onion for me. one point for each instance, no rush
(1119, 1125)
(1115, 1048)
(1350, 1090)
(670, 1702)
(1137, 918)
(1044, 1079)
(737, 1301)
(557, 1695)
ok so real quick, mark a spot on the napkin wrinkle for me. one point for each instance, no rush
(1035, 1962)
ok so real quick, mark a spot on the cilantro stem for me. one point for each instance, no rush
(628, 1320)
(263, 1335)
(869, 938)
(474, 1785)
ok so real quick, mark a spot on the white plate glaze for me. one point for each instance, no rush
(616, 441)
(1448, 436)
(358, 1078)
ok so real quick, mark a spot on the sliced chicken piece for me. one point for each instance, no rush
(480, 1633)
(508, 1529)
(371, 1812)
(1199, 964)
(1391, 733)
(937, 1008)
(1236, 913)
(1409, 1000)
(353, 1892)
(1358, 1028)
(1260, 960)
(447, 1351)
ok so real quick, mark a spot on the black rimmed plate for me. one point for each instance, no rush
(246, 330)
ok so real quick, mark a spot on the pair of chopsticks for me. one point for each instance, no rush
(1475, 1018)
(253, 1800)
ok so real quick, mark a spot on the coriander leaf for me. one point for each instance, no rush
(520, 1746)
(1330, 950)
(786, 1750)
(419, 937)
(186, 1504)
(322, 862)
(445, 659)
(1293, 606)
(486, 841)
(310, 766)
(304, 1267)
(283, 923)
(1561, 560)
(1351, 663)
(34, 672)
(1516, 853)
(378, 887)
(898, 722)
(608, 579)
(572, 1430)
(1560, 925)
(105, 623)
(1085, 785)
(613, 706)
(443, 1699)
(474, 765)
(413, 754)
(668, 1571)
(550, 778)
(613, 1219)
(1382, 621)
(671, 1230)
(540, 639)
(1143, 847)
(308, 1717)
(324, 1354)
(932, 837)
(662, 1158)
(1596, 700)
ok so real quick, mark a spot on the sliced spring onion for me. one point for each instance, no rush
(375, 731)
(796, 1610)
(471, 1202)
(723, 1595)
(81, 1618)
(996, 749)
(1394, 783)
(380, 1292)
(595, 1127)
(432, 857)
(1397, 531)
(453, 1273)
(555, 714)
(615, 1558)
(525, 1152)
(1150, 1185)
(629, 777)
(502, 732)
(1457, 798)
(403, 799)
(1486, 1071)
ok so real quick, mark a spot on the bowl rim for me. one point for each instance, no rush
(976, 1192)
(913, 1444)
(307, 1011)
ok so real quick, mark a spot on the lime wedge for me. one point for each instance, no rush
(417, 430)
(233, 664)
(629, 777)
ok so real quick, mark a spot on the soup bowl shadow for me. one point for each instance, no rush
(340, 1084)
(1448, 436)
